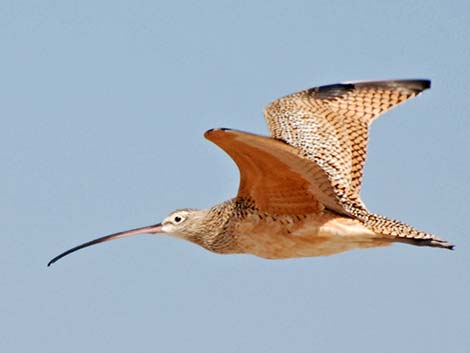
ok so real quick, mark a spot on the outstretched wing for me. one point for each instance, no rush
(330, 124)
(274, 175)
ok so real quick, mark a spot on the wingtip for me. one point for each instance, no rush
(217, 129)
(415, 84)
(213, 131)
(427, 83)
(337, 90)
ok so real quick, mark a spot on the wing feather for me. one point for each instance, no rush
(275, 175)
(330, 124)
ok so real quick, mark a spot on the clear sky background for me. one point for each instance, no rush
(103, 108)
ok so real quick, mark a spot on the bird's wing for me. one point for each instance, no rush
(274, 175)
(330, 124)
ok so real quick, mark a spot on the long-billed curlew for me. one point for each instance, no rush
(299, 188)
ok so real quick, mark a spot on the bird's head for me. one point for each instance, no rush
(184, 224)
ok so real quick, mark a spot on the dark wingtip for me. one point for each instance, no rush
(331, 91)
(417, 84)
(217, 129)
(210, 132)
(338, 90)
(426, 83)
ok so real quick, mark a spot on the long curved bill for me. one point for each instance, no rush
(153, 229)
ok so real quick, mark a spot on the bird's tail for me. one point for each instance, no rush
(396, 230)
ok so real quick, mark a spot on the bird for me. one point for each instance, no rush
(299, 188)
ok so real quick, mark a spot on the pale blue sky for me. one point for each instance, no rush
(103, 108)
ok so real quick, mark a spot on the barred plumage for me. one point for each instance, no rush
(299, 189)
(330, 125)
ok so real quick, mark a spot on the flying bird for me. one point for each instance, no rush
(299, 188)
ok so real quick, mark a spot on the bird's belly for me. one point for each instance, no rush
(291, 237)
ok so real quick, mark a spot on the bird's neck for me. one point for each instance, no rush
(210, 228)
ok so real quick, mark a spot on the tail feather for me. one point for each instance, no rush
(397, 230)
(435, 243)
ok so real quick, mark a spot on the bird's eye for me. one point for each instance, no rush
(178, 219)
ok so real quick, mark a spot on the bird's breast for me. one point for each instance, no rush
(280, 237)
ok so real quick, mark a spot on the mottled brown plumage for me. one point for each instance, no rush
(299, 189)
(330, 124)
